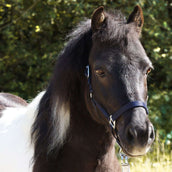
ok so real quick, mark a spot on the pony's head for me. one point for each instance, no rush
(119, 68)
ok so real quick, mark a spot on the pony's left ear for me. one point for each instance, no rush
(137, 17)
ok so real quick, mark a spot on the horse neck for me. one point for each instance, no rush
(89, 137)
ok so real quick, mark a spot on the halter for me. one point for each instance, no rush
(113, 117)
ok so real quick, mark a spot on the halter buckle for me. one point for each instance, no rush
(111, 122)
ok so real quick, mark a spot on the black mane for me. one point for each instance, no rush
(65, 82)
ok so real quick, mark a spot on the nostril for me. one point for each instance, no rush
(131, 134)
(151, 133)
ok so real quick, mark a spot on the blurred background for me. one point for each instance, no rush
(33, 32)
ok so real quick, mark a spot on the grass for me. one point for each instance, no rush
(159, 159)
(146, 164)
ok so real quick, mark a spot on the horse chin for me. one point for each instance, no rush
(135, 152)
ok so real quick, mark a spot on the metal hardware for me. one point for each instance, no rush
(124, 161)
(87, 72)
(91, 95)
(111, 122)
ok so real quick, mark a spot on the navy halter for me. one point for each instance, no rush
(113, 117)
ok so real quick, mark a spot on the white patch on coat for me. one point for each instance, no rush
(16, 150)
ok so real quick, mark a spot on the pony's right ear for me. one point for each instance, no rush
(98, 19)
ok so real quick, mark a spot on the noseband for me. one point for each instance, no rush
(113, 117)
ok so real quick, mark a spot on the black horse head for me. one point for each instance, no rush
(119, 67)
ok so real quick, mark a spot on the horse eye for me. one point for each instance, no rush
(99, 72)
(148, 71)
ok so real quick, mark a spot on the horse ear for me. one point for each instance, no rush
(98, 18)
(137, 17)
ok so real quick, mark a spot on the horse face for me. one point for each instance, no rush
(119, 72)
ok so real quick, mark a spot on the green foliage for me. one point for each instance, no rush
(32, 34)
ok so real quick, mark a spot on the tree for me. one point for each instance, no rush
(32, 34)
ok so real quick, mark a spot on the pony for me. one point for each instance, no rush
(96, 96)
